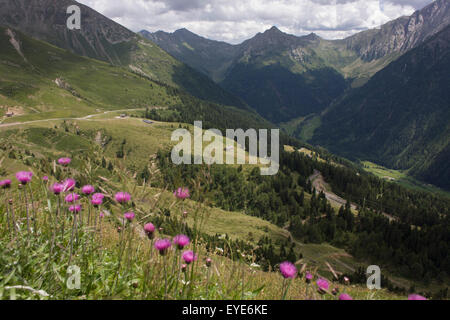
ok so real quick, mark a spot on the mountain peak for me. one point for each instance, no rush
(183, 31)
(273, 30)
(312, 36)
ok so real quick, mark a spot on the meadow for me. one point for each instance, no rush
(117, 260)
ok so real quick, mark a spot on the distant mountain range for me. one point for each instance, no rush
(381, 94)
(284, 76)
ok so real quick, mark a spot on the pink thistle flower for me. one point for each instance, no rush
(97, 199)
(5, 184)
(208, 262)
(122, 197)
(87, 190)
(129, 216)
(346, 280)
(24, 176)
(416, 297)
(45, 178)
(183, 268)
(345, 296)
(182, 193)
(57, 188)
(288, 270)
(75, 209)
(69, 185)
(72, 197)
(309, 277)
(323, 285)
(181, 241)
(163, 245)
(189, 257)
(149, 230)
(64, 161)
(102, 215)
(98, 195)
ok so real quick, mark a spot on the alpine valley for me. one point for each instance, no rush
(310, 86)
(86, 177)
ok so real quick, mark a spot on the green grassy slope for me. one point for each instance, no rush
(101, 38)
(87, 85)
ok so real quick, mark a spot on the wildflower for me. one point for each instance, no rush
(71, 197)
(185, 214)
(122, 197)
(149, 229)
(102, 215)
(64, 161)
(183, 267)
(163, 245)
(288, 270)
(87, 190)
(129, 216)
(345, 296)
(5, 184)
(182, 193)
(69, 185)
(57, 188)
(309, 277)
(323, 285)
(181, 241)
(416, 297)
(24, 176)
(75, 209)
(97, 199)
(346, 280)
(208, 262)
(45, 179)
(189, 257)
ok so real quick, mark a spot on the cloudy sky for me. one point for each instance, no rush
(237, 20)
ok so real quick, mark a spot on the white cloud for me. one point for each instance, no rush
(236, 20)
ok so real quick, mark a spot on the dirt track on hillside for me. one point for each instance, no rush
(12, 124)
(318, 182)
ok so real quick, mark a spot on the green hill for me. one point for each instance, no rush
(103, 39)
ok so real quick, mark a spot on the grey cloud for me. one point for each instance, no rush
(183, 5)
(237, 20)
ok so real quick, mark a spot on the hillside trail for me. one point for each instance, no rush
(88, 117)
(319, 183)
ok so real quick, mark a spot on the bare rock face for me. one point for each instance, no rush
(47, 20)
(403, 34)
